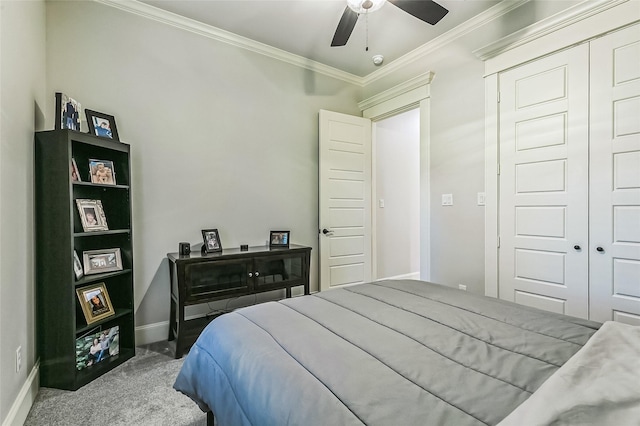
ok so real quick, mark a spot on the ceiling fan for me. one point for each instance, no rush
(425, 10)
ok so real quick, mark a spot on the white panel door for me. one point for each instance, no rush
(543, 257)
(345, 199)
(615, 177)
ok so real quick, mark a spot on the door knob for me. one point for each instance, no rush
(576, 247)
(600, 249)
(325, 231)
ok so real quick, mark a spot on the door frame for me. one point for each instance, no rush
(414, 93)
(577, 25)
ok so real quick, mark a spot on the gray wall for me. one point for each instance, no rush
(22, 77)
(221, 137)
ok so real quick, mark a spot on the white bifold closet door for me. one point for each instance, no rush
(544, 160)
(570, 180)
(615, 177)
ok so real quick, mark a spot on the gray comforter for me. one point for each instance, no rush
(385, 353)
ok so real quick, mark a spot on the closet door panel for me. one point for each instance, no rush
(615, 177)
(544, 183)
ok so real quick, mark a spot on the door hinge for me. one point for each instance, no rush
(498, 242)
(498, 96)
(498, 169)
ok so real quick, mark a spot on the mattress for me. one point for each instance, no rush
(389, 352)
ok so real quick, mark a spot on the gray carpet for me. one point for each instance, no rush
(138, 392)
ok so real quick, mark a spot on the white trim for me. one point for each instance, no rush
(546, 26)
(151, 333)
(398, 99)
(425, 189)
(409, 276)
(437, 43)
(590, 19)
(491, 185)
(23, 402)
(151, 12)
(400, 89)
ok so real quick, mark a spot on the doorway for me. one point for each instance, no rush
(396, 200)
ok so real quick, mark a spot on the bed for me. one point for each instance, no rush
(397, 352)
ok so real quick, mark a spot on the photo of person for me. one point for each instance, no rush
(102, 127)
(99, 261)
(95, 302)
(71, 114)
(91, 215)
(75, 175)
(101, 124)
(97, 346)
(211, 241)
(279, 239)
(101, 171)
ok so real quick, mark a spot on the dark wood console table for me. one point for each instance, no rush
(201, 278)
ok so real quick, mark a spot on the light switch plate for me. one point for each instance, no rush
(481, 198)
(447, 199)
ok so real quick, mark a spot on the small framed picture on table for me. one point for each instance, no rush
(279, 239)
(102, 172)
(211, 241)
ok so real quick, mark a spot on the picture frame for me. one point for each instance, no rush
(102, 125)
(77, 266)
(211, 241)
(279, 238)
(67, 112)
(96, 346)
(101, 261)
(95, 302)
(102, 172)
(92, 215)
(75, 173)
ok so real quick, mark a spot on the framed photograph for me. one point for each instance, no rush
(211, 240)
(96, 346)
(67, 113)
(95, 302)
(75, 174)
(104, 260)
(92, 215)
(77, 266)
(279, 239)
(102, 171)
(102, 125)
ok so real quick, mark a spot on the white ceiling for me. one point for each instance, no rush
(306, 27)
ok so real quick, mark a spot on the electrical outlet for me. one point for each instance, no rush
(462, 287)
(18, 359)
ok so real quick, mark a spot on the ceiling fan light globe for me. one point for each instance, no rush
(365, 6)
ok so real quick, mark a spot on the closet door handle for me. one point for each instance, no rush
(577, 247)
(599, 249)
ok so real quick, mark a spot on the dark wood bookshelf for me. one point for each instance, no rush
(58, 233)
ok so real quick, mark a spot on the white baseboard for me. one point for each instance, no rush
(409, 276)
(21, 406)
(151, 333)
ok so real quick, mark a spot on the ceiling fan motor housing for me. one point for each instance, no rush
(365, 6)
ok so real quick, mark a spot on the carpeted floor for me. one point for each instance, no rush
(138, 392)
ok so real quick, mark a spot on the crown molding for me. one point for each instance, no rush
(400, 89)
(426, 49)
(187, 24)
(549, 25)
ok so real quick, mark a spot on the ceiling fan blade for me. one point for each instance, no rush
(425, 10)
(345, 27)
